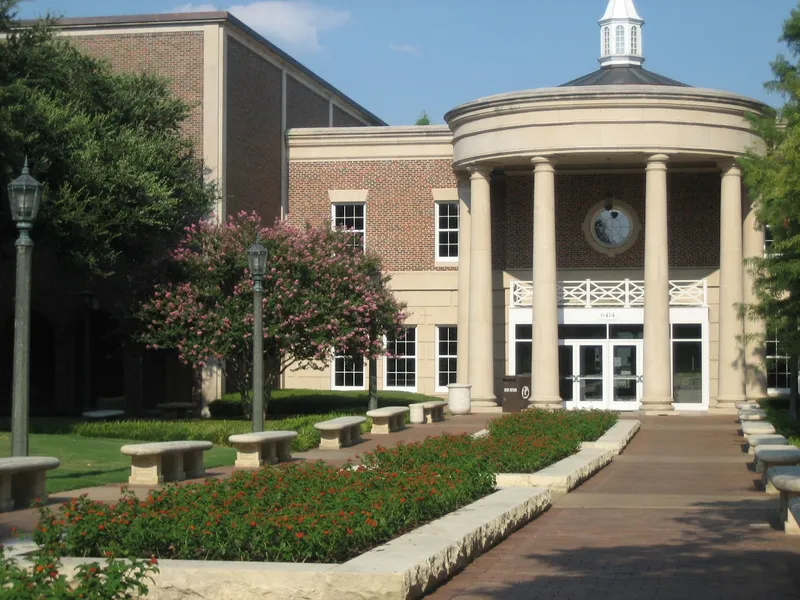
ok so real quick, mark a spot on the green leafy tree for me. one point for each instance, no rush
(423, 119)
(772, 175)
(320, 297)
(121, 178)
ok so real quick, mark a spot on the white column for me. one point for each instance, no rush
(464, 235)
(755, 351)
(731, 291)
(481, 334)
(544, 368)
(657, 393)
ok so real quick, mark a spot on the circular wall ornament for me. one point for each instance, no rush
(611, 229)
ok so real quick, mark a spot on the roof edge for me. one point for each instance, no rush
(221, 17)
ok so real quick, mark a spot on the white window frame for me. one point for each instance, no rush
(779, 359)
(619, 42)
(364, 375)
(439, 356)
(363, 232)
(386, 360)
(606, 41)
(635, 40)
(439, 257)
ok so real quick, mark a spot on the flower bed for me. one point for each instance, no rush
(317, 513)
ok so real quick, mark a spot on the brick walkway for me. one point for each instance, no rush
(676, 516)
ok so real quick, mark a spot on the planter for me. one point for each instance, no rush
(459, 398)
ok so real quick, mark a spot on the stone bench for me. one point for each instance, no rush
(103, 415)
(790, 526)
(754, 441)
(757, 428)
(340, 432)
(427, 412)
(786, 481)
(158, 462)
(749, 405)
(752, 415)
(176, 410)
(388, 419)
(22, 480)
(255, 449)
(772, 456)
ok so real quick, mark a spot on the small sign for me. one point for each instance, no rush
(526, 392)
(608, 315)
(510, 390)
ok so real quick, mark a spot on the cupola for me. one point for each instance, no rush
(621, 35)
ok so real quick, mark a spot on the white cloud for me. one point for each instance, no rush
(406, 49)
(296, 23)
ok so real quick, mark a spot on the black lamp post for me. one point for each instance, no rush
(257, 260)
(373, 362)
(25, 196)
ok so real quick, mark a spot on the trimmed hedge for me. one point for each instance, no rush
(777, 410)
(317, 512)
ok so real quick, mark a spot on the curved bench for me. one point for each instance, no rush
(754, 441)
(772, 456)
(757, 428)
(427, 412)
(158, 462)
(752, 415)
(786, 480)
(22, 480)
(254, 449)
(340, 432)
(388, 419)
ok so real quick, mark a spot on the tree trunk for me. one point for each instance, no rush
(794, 371)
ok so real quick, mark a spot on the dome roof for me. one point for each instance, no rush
(623, 75)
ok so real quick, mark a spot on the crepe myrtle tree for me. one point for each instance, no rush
(320, 299)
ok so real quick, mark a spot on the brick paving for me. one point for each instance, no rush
(25, 520)
(676, 516)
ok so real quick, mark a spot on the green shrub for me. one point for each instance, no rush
(777, 410)
(215, 431)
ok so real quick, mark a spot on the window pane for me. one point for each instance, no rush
(447, 230)
(582, 332)
(524, 358)
(524, 332)
(348, 372)
(687, 332)
(402, 366)
(626, 332)
(687, 372)
(351, 218)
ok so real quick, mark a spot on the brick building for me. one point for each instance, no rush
(591, 235)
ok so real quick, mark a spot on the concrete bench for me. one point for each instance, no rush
(752, 415)
(749, 405)
(757, 428)
(103, 415)
(754, 441)
(427, 412)
(786, 481)
(790, 526)
(340, 432)
(22, 480)
(255, 449)
(772, 456)
(176, 410)
(388, 419)
(158, 462)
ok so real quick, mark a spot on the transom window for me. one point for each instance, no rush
(348, 372)
(447, 219)
(606, 41)
(352, 217)
(634, 40)
(401, 363)
(620, 39)
(447, 356)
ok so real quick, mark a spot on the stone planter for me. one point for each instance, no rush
(459, 398)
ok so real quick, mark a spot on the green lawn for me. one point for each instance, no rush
(87, 462)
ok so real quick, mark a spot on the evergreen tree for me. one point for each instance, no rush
(772, 175)
(423, 119)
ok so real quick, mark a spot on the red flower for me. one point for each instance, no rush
(300, 535)
(153, 560)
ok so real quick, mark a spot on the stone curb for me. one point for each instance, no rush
(567, 474)
(402, 569)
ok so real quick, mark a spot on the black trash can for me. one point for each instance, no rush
(516, 392)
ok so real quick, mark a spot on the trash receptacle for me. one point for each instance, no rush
(516, 392)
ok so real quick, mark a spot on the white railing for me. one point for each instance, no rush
(625, 294)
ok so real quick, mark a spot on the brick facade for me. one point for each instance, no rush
(400, 206)
(343, 119)
(304, 107)
(253, 163)
(178, 56)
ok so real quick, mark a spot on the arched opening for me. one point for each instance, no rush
(620, 39)
(606, 41)
(635, 40)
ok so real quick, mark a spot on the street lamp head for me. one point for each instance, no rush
(25, 196)
(257, 259)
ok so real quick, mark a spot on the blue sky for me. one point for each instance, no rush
(399, 57)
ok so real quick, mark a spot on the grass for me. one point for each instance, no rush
(777, 410)
(89, 462)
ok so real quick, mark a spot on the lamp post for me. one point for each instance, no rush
(257, 260)
(25, 196)
(373, 362)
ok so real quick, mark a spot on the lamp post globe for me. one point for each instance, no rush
(257, 256)
(25, 197)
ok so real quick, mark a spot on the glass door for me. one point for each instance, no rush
(590, 380)
(626, 375)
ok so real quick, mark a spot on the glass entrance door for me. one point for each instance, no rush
(626, 375)
(590, 380)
